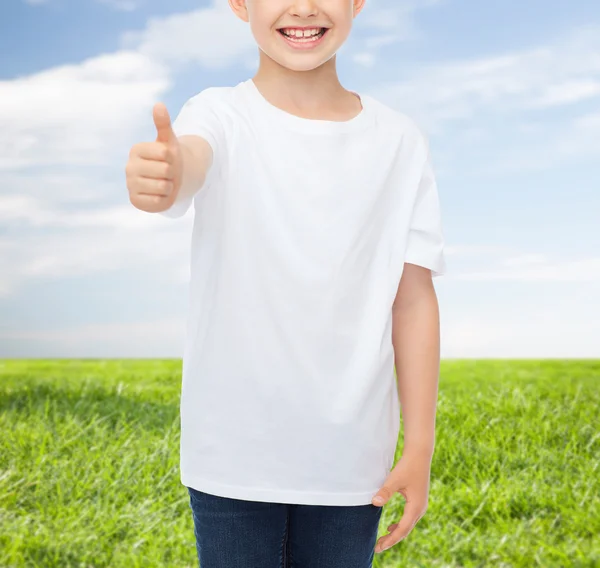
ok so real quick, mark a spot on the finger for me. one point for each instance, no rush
(162, 121)
(152, 169)
(150, 202)
(400, 530)
(151, 151)
(154, 187)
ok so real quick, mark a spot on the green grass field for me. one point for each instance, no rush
(89, 472)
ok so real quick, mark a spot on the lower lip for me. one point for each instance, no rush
(304, 45)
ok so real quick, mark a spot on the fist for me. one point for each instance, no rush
(154, 169)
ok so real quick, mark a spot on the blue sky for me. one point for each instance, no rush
(509, 95)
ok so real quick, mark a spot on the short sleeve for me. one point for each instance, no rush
(425, 246)
(198, 117)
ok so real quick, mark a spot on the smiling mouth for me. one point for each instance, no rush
(303, 38)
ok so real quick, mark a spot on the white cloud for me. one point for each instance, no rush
(122, 5)
(84, 115)
(567, 93)
(20, 209)
(397, 15)
(513, 112)
(473, 250)
(539, 268)
(59, 244)
(380, 41)
(391, 21)
(503, 263)
(71, 187)
(554, 333)
(366, 59)
(78, 114)
(580, 138)
(197, 33)
(526, 260)
(565, 72)
(155, 339)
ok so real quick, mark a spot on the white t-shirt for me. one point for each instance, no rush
(300, 235)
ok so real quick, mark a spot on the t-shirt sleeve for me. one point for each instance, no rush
(198, 117)
(425, 246)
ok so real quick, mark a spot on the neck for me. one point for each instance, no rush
(312, 89)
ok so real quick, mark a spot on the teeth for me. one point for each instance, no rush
(301, 33)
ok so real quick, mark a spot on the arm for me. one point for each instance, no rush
(415, 336)
(197, 158)
(416, 340)
(163, 176)
(198, 133)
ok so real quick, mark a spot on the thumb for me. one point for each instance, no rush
(162, 121)
(387, 491)
(382, 496)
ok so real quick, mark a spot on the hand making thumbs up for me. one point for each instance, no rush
(154, 170)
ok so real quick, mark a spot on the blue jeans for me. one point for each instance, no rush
(232, 533)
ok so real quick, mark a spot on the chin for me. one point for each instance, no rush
(301, 67)
(306, 63)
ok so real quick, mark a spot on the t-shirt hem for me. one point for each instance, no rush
(435, 264)
(277, 495)
(196, 131)
(178, 209)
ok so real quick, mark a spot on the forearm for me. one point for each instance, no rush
(197, 159)
(416, 340)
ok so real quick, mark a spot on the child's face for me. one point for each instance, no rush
(268, 17)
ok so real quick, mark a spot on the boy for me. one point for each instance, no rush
(316, 235)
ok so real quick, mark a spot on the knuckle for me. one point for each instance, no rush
(134, 151)
(387, 492)
(163, 152)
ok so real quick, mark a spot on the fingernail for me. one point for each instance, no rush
(378, 500)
